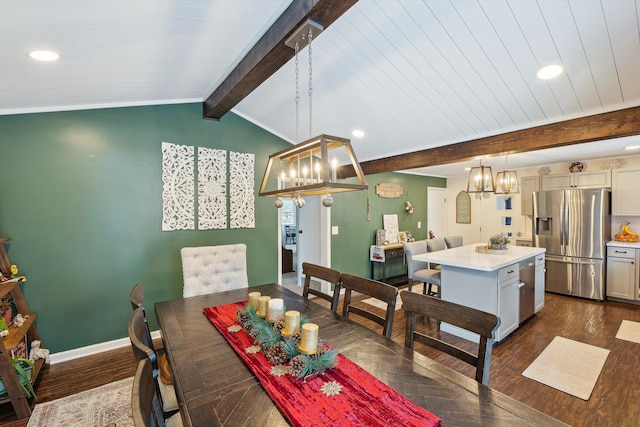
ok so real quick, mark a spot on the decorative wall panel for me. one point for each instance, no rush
(241, 189)
(177, 187)
(212, 189)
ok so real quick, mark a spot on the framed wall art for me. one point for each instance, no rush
(463, 208)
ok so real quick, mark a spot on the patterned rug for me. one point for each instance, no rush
(105, 406)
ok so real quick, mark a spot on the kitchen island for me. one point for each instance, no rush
(489, 282)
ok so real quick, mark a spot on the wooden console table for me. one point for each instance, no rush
(380, 255)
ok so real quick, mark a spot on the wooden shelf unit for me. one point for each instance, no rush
(16, 335)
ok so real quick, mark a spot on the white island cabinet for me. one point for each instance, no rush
(487, 282)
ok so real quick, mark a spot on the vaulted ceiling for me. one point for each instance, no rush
(413, 75)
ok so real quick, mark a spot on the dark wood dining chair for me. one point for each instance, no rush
(136, 297)
(479, 322)
(142, 350)
(375, 289)
(313, 271)
(145, 406)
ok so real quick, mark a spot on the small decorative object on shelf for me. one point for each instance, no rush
(23, 371)
(291, 341)
(545, 170)
(576, 167)
(499, 242)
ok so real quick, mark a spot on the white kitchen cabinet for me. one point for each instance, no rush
(624, 192)
(622, 272)
(508, 300)
(528, 184)
(596, 179)
(539, 282)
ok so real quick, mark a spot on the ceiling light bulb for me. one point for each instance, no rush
(549, 72)
(632, 147)
(357, 133)
(44, 55)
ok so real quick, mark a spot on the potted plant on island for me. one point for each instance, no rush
(499, 242)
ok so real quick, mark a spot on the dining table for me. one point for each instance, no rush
(215, 387)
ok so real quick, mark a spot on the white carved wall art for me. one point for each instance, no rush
(212, 189)
(177, 187)
(241, 189)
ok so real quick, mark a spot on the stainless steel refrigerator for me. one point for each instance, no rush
(574, 226)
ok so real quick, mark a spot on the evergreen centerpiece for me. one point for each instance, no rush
(499, 242)
(281, 350)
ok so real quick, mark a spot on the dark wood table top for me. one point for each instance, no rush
(215, 388)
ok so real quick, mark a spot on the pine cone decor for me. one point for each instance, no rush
(297, 365)
(242, 318)
(297, 336)
(276, 354)
(278, 326)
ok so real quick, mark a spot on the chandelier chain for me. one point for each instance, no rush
(297, 50)
(310, 83)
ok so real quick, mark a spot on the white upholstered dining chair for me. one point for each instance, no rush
(210, 269)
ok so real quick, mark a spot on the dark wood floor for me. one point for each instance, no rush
(615, 400)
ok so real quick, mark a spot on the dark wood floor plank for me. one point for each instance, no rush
(615, 400)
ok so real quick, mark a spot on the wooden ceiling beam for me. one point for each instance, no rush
(614, 124)
(270, 53)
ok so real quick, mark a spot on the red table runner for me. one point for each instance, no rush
(346, 395)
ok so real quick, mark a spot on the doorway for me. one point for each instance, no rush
(288, 237)
(437, 211)
(312, 225)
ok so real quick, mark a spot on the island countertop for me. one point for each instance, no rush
(467, 257)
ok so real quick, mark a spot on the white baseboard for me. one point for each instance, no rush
(89, 350)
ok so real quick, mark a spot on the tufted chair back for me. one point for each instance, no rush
(210, 269)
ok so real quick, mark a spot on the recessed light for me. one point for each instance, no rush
(357, 133)
(467, 169)
(632, 147)
(549, 72)
(44, 55)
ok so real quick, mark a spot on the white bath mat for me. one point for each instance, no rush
(569, 366)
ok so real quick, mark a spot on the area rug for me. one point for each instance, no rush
(569, 366)
(629, 331)
(383, 305)
(105, 406)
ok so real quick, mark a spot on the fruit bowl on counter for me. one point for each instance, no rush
(625, 234)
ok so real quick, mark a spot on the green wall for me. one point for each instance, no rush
(350, 248)
(81, 200)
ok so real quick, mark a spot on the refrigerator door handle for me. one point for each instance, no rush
(572, 261)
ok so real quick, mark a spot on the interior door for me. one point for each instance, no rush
(313, 243)
(437, 211)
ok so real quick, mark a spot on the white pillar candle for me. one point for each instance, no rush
(262, 305)
(291, 322)
(253, 299)
(309, 339)
(275, 310)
